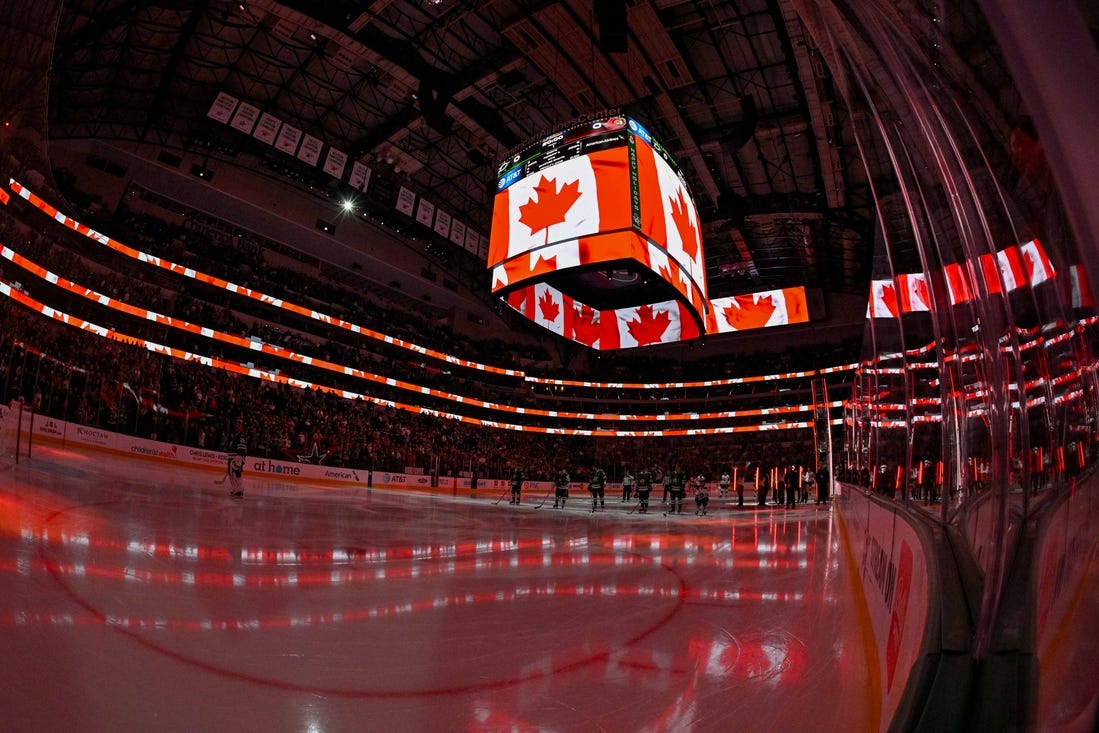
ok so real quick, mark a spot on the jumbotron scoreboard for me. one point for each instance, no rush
(595, 236)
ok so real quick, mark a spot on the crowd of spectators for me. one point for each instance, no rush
(74, 375)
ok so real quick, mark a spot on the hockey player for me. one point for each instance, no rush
(723, 484)
(702, 496)
(517, 479)
(596, 487)
(644, 488)
(677, 487)
(234, 469)
(560, 488)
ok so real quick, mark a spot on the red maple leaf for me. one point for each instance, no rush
(747, 313)
(518, 269)
(687, 232)
(1031, 261)
(543, 265)
(585, 328)
(889, 298)
(921, 291)
(666, 273)
(548, 206)
(649, 328)
(548, 306)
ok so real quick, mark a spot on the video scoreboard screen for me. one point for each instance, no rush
(595, 236)
(562, 146)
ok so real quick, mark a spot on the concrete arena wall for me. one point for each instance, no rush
(894, 560)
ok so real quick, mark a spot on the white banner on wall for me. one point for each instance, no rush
(288, 139)
(406, 201)
(471, 241)
(442, 223)
(360, 176)
(457, 232)
(425, 212)
(222, 108)
(245, 118)
(310, 150)
(268, 128)
(335, 163)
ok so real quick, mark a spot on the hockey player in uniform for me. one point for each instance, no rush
(234, 469)
(677, 487)
(702, 495)
(723, 485)
(644, 488)
(596, 487)
(517, 479)
(627, 486)
(560, 488)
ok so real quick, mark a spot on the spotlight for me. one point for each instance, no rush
(348, 205)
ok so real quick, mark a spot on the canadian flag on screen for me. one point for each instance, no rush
(584, 324)
(957, 283)
(656, 323)
(759, 310)
(1081, 293)
(547, 307)
(913, 292)
(667, 212)
(535, 264)
(883, 299)
(659, 262)
(563, 202)
(517, 299)
(1012, 270)
(1038, 267)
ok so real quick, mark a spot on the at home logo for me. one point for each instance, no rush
(275, 468)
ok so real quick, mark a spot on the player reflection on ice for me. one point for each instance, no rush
(412, 613)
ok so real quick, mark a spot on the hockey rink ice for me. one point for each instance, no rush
(133, 599)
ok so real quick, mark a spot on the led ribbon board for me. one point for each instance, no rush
(595, 236)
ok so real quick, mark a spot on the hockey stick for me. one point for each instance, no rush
(501, 497)
(546, 497)
(221, 480)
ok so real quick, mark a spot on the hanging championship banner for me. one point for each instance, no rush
(288, 139)
(310, 150)
(335, 163)
(222, 108)
(425, 212)
(245, 118)
(267, 129)
(406, 201)
(442, 223)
